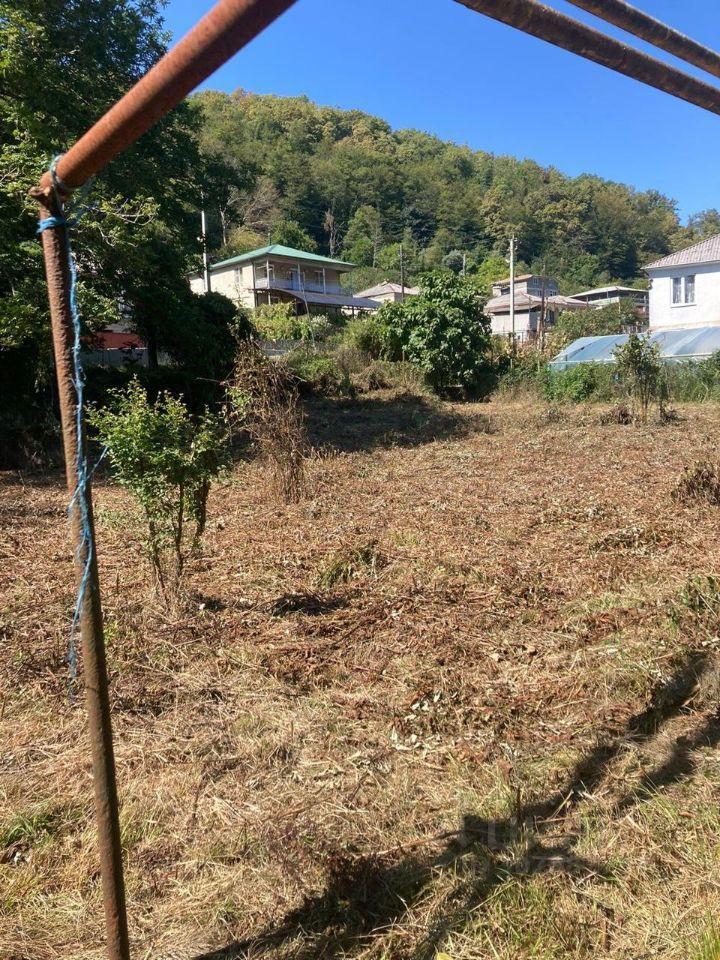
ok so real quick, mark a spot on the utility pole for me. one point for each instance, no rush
(543, 308)
(512, 292)
(206, 254)
(464, 263)
(402, 275)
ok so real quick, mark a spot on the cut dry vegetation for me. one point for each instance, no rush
(459, 701)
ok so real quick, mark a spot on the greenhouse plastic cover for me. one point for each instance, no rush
(675, 346)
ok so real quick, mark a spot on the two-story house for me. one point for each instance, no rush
(279, 274)
(685, 287)
(536, 300)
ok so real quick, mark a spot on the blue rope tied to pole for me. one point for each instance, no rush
(80, 498)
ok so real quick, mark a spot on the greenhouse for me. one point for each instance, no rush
(675, 346)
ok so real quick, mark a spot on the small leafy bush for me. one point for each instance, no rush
(525, 373)
(168, 461)
(444, 332)
(640, 370)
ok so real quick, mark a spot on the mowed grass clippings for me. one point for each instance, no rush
(458, 701)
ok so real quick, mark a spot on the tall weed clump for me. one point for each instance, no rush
(264, 401)
(168, 460)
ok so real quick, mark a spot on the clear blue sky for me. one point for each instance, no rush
(436, 66)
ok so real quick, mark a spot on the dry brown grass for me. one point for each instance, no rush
(490, 732)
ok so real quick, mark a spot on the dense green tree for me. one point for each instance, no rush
(363, 237)
(62, 65)
(291, 234)
(442, 331)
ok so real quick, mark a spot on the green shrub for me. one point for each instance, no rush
(368, 333)
(278, 321)
(167, 460)
(527, 373)
(319, 372)
(580, 383)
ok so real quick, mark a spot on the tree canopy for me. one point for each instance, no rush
(358, 189)
(63, 63)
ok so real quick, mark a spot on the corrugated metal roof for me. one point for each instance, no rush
(675, 345)
(523, 276)
(387, 286)
(329, 299)
(278, 250)
(707, 251)
(525, 301)
(612, 289)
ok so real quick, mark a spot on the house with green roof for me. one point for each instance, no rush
(279, 274)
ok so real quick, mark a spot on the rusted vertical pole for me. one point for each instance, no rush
(228, 26)
(57, 270)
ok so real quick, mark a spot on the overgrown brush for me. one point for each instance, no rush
(699, 483)
(265, 402)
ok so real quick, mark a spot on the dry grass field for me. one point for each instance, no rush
(459, 702)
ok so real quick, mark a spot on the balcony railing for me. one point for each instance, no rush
(307, 286)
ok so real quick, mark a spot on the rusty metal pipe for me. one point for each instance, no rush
(642, 25)
(554, 27)
(91, 626)
(230, 25)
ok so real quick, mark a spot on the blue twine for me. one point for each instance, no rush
(80, 497)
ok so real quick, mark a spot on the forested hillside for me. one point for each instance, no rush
(345, 183)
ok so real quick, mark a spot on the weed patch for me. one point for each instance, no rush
(699, 483)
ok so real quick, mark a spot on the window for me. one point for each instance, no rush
(683, 290)
(690, 289)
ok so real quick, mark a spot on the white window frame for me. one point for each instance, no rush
(681, 285)
(686, 301)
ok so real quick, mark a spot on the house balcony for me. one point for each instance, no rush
(307, 286)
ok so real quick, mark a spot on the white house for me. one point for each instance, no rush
(533, 295)
(388, 292)
(279, 274)
(601, 297)
(685, 287)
